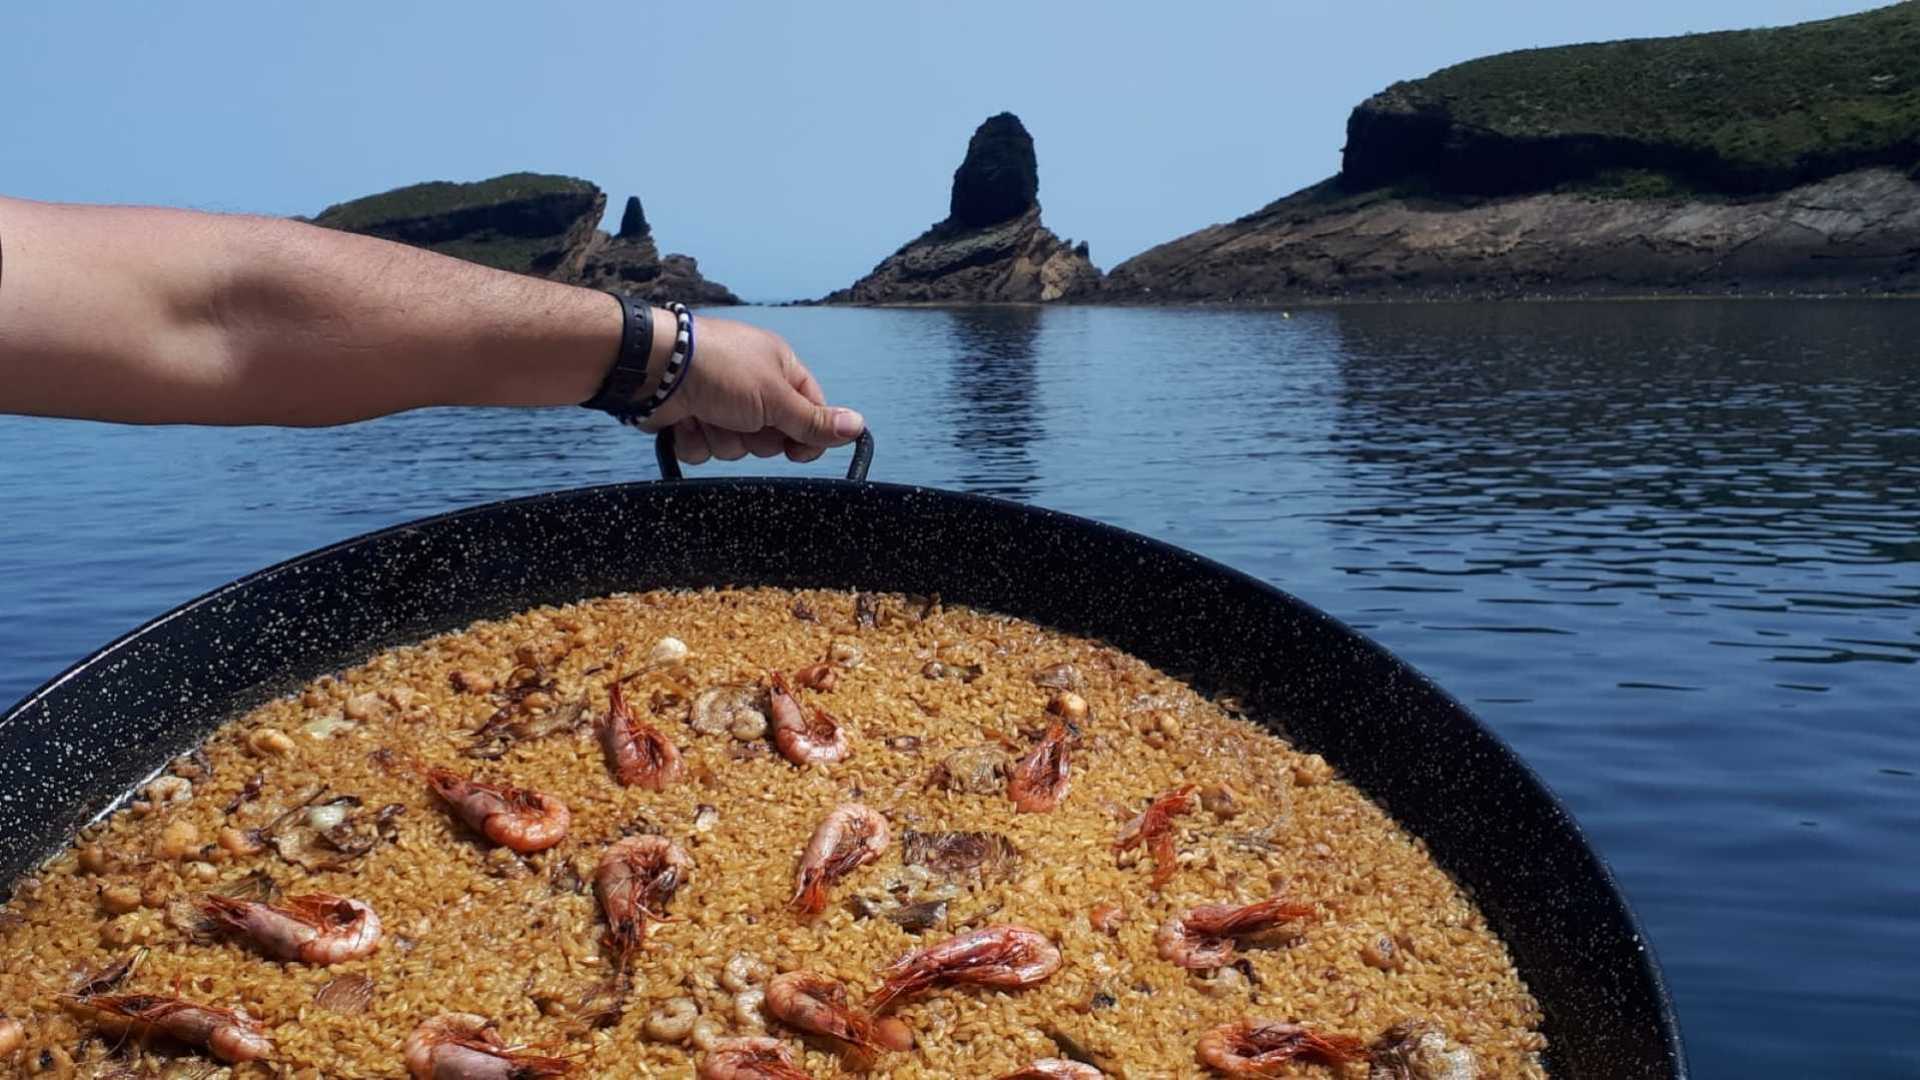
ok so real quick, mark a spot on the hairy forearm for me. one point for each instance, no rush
(165, 316)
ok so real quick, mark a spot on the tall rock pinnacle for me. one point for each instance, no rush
(1000, 177)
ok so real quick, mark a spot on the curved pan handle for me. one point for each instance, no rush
(670, 465)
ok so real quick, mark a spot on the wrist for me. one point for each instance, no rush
(652, 360)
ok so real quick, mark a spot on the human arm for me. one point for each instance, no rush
(148, 315)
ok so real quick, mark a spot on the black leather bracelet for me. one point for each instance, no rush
(621, 387)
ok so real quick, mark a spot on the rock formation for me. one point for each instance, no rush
(992, 246)
(1748, 161)
(531, 223)
(1857, 232)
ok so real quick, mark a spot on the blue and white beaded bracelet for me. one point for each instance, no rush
(679, 362)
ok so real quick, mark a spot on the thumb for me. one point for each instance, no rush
(816, 425)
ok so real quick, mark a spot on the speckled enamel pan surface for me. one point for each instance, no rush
(74, 747)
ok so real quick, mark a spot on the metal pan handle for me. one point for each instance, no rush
(670, 466)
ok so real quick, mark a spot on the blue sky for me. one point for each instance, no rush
(788, 146)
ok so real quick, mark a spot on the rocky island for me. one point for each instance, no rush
(532, 223)
(1755, 161)
(991, 247)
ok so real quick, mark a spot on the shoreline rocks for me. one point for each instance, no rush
(1854, 233)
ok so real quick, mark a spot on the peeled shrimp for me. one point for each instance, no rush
(848, 838)
(1055, 1069)
(803, 740)
(319, 928)
(1009, 957)
(230, 1034)
(1203, 937)
(1154, 828)
(1267, 1047)
(1040, 780)
(637, 751)
(635, 879)
(821, 676)
(1418, 1050)
(751, 1059)
(526, 821)
(463, 1046)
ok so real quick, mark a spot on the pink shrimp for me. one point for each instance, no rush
(230, 1034)
(818, 1005)
(635, 879)
(1203, 937)
(1004, 956)
(1040, 780)
(1154, 828)
(803, 740)
(1268, 1047)
(757, 1058)
(848, 838)
(319, 928)
(637, 750)
(1055, 1069)
(526, 821)
(463, 1046)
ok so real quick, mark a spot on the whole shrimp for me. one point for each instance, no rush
(318, 928)
(525, 821)
(637, 750)
(1267, 1047)
(1203, 937)
(1055, 1069)
(635, 879)
(230, 1034)
(463, 1046)
(1154, 828)
(853, 835)
(757, 1058)
(818, 1005)
(1040, 780)
(803, 740)
(1004, 956)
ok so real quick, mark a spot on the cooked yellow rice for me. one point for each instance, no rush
(469, 929)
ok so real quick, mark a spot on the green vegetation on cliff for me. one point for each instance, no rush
(437, 197)
(524, 222)
(1738, 111)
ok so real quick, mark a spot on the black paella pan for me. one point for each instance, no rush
(75, 747)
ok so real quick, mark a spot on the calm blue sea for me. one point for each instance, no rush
(1670, 550)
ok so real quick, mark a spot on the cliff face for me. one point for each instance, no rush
(1857, 232)
(992, 246)
(1779, 159)
(1734, 113)
(531, 223)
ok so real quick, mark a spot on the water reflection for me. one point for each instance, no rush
(994, 389)
(1759, 458)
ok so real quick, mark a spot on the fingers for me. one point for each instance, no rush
(802, 380)
(765, 443)
(694, 443)
(813, 424)
(726, 445)
(690, 441)
(808, 387)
